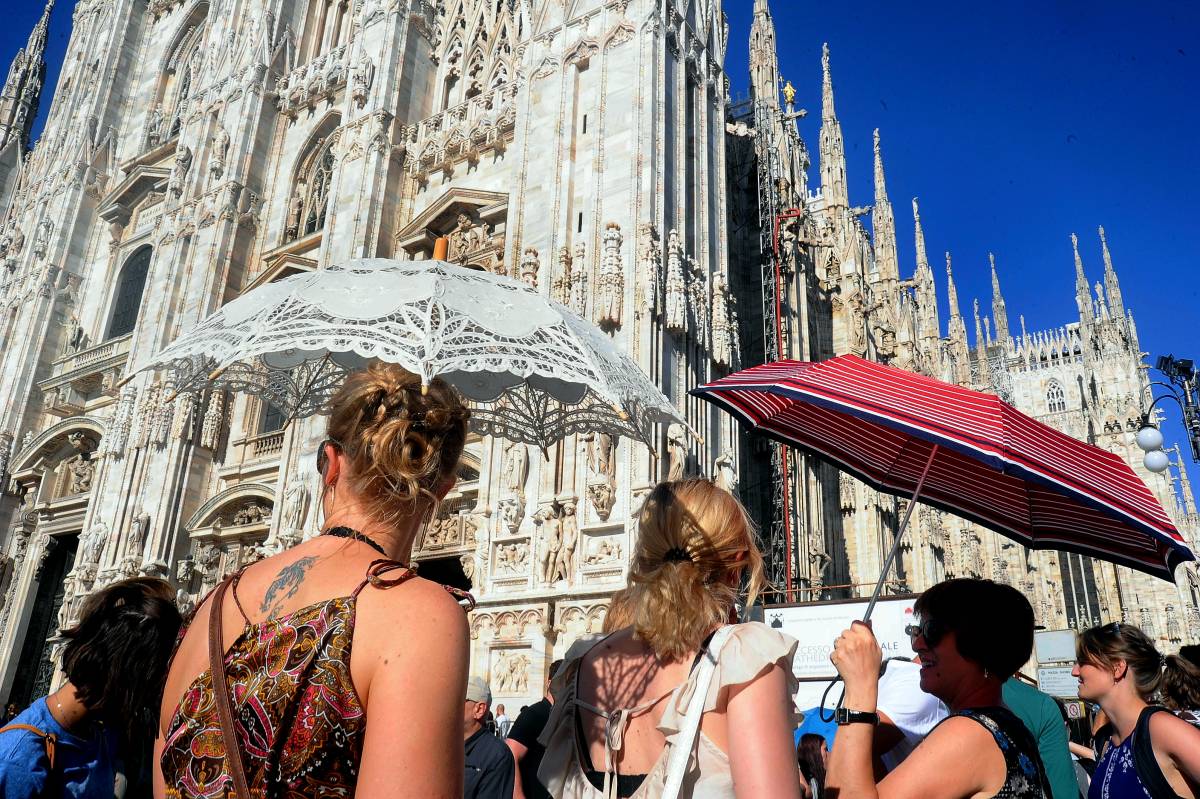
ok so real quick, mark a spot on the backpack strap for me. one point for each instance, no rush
(1148, 770)
(681, 750)
(49, 739)
(216, 668)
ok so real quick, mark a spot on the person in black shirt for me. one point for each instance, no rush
(490, 770)
(523, 741)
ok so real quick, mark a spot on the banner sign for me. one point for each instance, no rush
(1057, 681)
(817, 624)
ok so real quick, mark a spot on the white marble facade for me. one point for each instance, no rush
(206, 147)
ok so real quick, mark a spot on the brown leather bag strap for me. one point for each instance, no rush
(216, 668)
(49, 739)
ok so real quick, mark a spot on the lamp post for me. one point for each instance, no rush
(1184, 391)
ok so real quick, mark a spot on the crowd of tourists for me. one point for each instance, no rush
(257, 695)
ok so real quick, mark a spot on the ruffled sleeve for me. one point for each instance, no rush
(749, 652)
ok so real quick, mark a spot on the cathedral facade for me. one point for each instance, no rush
(197, 149)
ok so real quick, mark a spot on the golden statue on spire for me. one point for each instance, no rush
(789, 92)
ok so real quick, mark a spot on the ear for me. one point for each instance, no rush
(1120, 669)
(333, 464)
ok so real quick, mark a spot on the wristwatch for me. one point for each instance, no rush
(844, 716)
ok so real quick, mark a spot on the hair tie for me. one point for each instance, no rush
(676, 554)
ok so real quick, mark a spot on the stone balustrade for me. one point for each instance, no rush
(267, 445)
(76, 375)
(311, 82)
(463, 131)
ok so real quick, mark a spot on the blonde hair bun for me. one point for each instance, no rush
(401, 442)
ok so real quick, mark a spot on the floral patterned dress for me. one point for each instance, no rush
(296, 713)
(1025, 777)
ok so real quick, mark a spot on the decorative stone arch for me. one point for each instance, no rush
(473, 221)
(469, 467)
(210, 518)
(580, 55)
(174, 88)
(33, 456)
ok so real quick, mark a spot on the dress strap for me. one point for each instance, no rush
(616, 722)
(382, 566)
(233, 584)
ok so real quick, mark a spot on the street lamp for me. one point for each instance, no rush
(1183, 390)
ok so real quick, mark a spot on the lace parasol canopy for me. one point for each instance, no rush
(532, 370)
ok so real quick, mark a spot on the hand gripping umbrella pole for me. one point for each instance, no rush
(887, 568)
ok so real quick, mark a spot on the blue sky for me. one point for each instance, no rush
(1015, 124)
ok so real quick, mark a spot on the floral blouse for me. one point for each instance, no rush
(296, 713)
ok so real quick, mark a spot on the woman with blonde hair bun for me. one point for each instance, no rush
(678, 699)
(291, 712)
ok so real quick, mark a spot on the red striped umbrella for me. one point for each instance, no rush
(959, 450)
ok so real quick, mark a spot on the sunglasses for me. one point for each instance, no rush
(928, 629)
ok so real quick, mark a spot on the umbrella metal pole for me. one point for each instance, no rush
(887, 567)
(891, 558)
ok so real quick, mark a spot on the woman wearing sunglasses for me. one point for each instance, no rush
(292, 712)
(1156, 754)
(972, 635)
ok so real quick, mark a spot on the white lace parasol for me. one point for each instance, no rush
(532, 370)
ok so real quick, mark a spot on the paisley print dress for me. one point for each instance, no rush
(296, 713)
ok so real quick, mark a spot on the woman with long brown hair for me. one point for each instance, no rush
(680, 701)
(294, 710)
(1119, 668)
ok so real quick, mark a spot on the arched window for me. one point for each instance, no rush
(310, 198)
(131, 283)
(179, 86)
(1056, 398)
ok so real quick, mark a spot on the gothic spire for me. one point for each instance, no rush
(764, 59)
(922, 258)
(930, 325)
(827, 111)
(832, 146)
(1185, 485)
(951, 290)
(1116, 305)
(883, 223)
(23, 85)
(981, 353)
(960, 350)
(999, 312)
(1083, 292)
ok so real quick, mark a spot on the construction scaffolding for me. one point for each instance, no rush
(778, 202)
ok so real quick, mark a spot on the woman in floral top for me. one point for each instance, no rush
(972, 635)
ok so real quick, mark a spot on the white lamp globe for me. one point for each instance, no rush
(1156, 461)
(1149, 438)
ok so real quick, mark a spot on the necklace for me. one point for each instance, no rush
(346, 532)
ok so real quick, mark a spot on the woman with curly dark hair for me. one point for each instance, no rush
(71, 742)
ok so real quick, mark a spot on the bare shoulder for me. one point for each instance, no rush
(1169, 732)
(959, 758)
(417, 607)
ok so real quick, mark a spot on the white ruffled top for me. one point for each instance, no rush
(748, 653)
